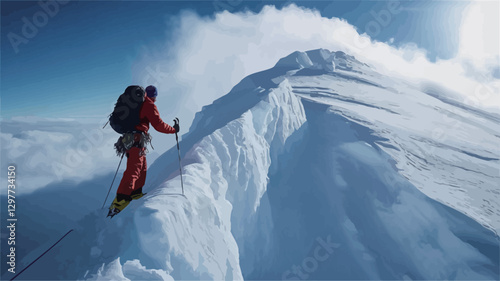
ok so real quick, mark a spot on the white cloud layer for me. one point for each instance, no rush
(51, 150)
(479, 32)
(47, 151)
(206, 57)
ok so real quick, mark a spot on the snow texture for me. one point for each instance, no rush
(318, 168)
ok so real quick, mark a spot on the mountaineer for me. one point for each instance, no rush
(133, 113)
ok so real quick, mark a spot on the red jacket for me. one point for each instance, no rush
(149, 114)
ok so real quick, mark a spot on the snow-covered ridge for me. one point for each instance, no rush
(262, 156)
(225, 176)
(224, 181)
(317, 151)
(320, 59)
(240, 154)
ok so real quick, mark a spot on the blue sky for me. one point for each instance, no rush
(83, 57)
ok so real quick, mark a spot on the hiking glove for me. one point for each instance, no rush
(176, 127)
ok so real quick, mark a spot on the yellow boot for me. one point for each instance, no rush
(117, 206)
(136, 194)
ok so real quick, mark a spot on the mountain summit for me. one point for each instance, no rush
(318, 168)
(320, 59)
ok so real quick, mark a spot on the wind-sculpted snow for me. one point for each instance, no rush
(225, 176)
(320, 59)
(319, 168)
(341, 188)
(224, 181)
(340, 168)
(451, 154)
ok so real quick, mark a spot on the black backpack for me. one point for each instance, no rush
(125, 116)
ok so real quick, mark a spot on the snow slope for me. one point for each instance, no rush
(319, 168)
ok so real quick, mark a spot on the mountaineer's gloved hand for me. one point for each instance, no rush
(176, 127)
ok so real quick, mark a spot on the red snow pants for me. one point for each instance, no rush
(134, 176)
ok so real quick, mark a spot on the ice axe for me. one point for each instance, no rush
(176, 122)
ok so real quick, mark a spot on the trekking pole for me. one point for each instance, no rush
(176, 121)
(112, 181)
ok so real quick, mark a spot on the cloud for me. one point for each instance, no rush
(45, 150)
(479, 41)
(206, 56)
(479, 32)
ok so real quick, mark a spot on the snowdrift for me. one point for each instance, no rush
(318, 168)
